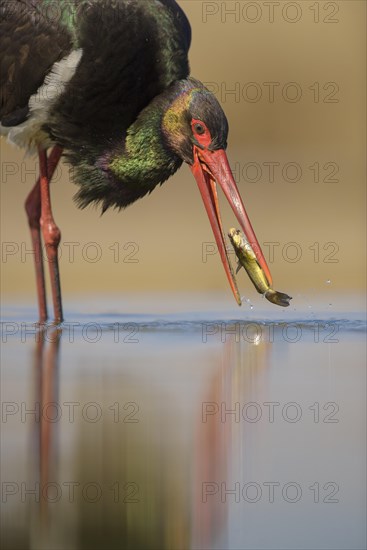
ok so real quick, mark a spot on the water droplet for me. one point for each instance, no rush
(328, 282)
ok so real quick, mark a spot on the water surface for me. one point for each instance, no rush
(184, 423)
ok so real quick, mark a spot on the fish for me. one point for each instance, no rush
(247, 259)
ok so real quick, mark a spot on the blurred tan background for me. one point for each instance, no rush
(321, 134)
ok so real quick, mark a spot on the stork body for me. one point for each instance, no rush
(106, 83)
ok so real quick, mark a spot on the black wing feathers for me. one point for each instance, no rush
(29, 45)
(132, 51)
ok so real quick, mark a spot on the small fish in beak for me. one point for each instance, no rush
(247, 259)
(210, 168)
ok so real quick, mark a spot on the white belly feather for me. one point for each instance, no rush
(29, 134)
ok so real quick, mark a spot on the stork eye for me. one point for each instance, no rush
(201, 134)
(199, 129)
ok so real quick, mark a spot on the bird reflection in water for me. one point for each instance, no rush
(220, 454)
(46, 376)
(140, 484)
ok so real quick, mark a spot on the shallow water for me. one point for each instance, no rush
(184, 424)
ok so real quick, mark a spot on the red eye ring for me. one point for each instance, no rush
(201, 132)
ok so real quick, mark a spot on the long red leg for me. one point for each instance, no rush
(51, 235)
(33, 209)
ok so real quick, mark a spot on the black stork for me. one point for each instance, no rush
(106, 84)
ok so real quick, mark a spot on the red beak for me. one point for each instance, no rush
(210, 167)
